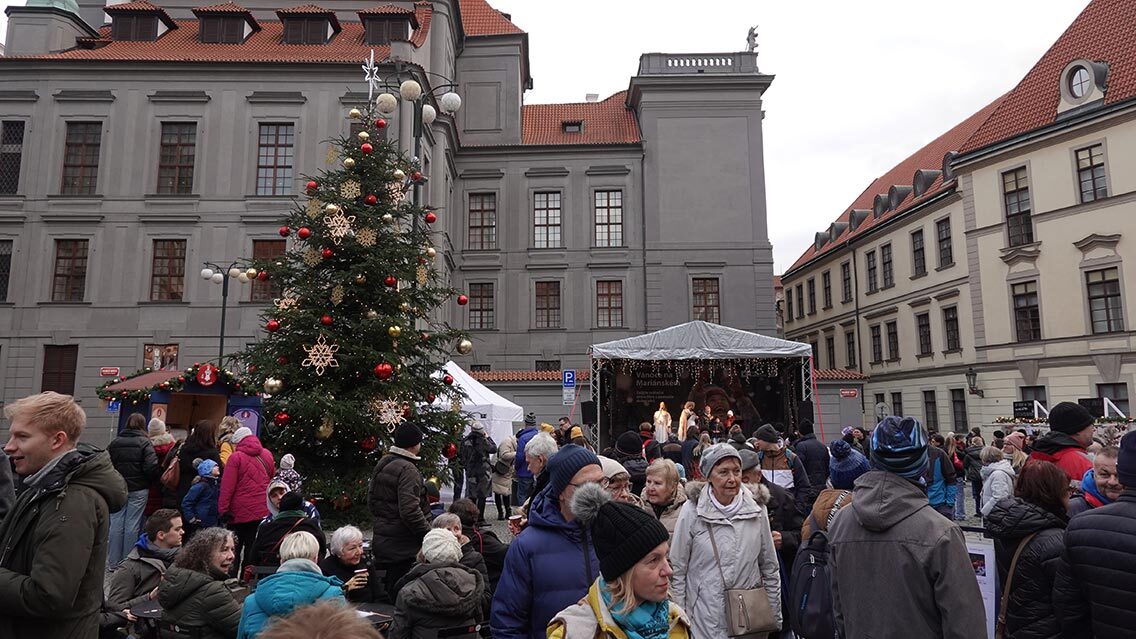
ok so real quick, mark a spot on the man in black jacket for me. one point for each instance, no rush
(397, 499)
(474, 455)
(1096, 582)
(290, 519)
(813, 456)
(133, 456)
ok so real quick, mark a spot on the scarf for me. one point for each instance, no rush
(648, 620)
(728, 511)
(1092, 495)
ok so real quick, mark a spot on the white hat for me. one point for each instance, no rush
(478, 426)
(440, 546)
(287, 462)
(240, 434)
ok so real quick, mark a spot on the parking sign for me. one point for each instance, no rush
(568, 378)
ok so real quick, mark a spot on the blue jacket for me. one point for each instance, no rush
(940, 478)
(549, 567)
(201, 502)
(298, 582)
(520, 462)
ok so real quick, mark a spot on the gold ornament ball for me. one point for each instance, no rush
(325, 429)
(431, 252)
(273, 385)
(372, 314)
(355, 114)
(394, 331)
(465, 347)
(388, 218)
(360, 279)
(364, 136)
(331, 209)
(348, 163)
(399, 175)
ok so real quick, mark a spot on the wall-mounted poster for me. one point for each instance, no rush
(160, 357)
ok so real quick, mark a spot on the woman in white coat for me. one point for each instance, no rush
(722, 507)
(662, 424)
(503, 475)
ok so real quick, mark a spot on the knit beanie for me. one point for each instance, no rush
(1017, 439)
(291, 500)
(899, 445)
(564, 465)
(530, 420)
(714, 454)
(407, 435)
(1125, 461)
(767, 433)
(845, 465)
(287, 462)
(156, 427)
(240, 434)
(205, 467)
(749, 458)
(629, 443)
(622, 533)
(439, 546)
(806, 427)
(611, 468)
(575, 432)
(1069, 418)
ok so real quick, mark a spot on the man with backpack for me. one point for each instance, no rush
(781, 466)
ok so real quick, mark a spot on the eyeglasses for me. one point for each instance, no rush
(604, 483)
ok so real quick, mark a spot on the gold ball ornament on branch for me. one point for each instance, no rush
(331, 209)
(372, 314)
(348, 163)
(431, 252)
(363, 135)
(355, 114)
(361, 278)
(399, 175)
(465, 347)
(273, 385)
(388, 218)
(326, 429)
(394, 331)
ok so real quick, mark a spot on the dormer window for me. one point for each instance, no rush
(222, 29)
(306, 31)
(137, 27)
(572, 126)
(1083, 86)
(388, 23)
(1079, 82)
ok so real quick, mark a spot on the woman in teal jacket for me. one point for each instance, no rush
(297, 583)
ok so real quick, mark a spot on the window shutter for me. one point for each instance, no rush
(294, 31)
(211, 29)
(59, 364)
(233, 31)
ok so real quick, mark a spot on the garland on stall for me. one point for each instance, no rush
(237, 385)
(1100, 421)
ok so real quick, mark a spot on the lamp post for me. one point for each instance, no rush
(972, 382)
(216, 273)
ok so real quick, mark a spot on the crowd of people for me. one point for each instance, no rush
(649, 540)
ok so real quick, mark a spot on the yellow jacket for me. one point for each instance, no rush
(226, 450)
(590, 619)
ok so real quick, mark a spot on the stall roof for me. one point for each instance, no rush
(144, 381)
(700, 340)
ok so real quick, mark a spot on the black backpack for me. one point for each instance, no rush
(810, 591)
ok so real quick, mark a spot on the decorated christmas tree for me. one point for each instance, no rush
(354, 345)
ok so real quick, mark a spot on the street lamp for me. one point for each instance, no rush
(972, 382)
(216, 273)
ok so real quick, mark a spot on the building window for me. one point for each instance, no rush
(167, 274)
(482, 221)
(480, 368)
(850, 348)
(175, 158)
(846, 282)
(481, 306)
(546, 365)
(139, 28)
(830, 351)
(1034, 394)
(70, 281)
(1105, 308)
(706, 300)
(546, 220)
(826, 288)
(266, 291)
(800, 302)
(81, 158)
(923, 329)
(609, 219)
(930, 410)
(386, 31)
(305, 30)
(1090, 173)
(59, 364)
(1027, 315)
(1118, 393)
(812, 286)
(897, 404)
(893, 340)
(609, 304)
(11, 153)
(789, 307)
(873, 272)
(918, 258)
(275, 149)
(885, 262)
(951, 329)
(879, 398)
(5, 268)
(877, 344)
(958, 410)
(1016, 196)
(548, 304)
(160, 357)
(222, 29)
(946, 252)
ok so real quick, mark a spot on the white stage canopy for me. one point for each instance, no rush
(487, 407)
(699, 340)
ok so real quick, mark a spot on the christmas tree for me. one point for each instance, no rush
(353, 344)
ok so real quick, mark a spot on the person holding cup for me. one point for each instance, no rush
(345, 560)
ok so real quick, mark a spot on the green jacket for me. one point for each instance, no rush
(193, 599)
(53, 547)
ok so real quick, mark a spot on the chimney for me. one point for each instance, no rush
(592, 97)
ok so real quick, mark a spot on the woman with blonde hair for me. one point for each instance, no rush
(228, 426)
(298, 582)
(684, 419)
(664, 495)
(662, 424)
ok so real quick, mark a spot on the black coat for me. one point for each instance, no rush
(1029, 611)
(266, 548)
(972, 464)
(133, 456)
(397, 500)
(492, 549)
(186, 453)
(785, 518)
(814, 457)
(636, 466)
(371, 593)
(1096, 582)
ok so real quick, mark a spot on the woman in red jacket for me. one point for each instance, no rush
(243, 486)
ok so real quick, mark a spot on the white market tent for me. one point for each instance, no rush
(487, 407)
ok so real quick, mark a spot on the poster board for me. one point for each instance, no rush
(986, 572)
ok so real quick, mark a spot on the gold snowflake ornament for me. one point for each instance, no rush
(314, 208)
(321, 356)
(350, 189)
(285, 303)
(390, 412)
(332, 154)
(396, 192)
(422, 275)
(366, 237)
(337, 295)
(312, 257)
(338, 226)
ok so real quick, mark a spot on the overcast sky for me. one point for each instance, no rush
(860, 85)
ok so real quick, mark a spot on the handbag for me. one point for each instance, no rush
(171, 476)
(1000, 625)
(748, 613)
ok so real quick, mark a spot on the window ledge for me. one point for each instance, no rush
(918, 275)
(552, 329)
(826, 308)
(12, 196)
(163, 303)
(811, 313)
(886, 287)
(872, 292)
(892, 360)
(847, 301)
(944, 267)
(483, 330)
(73, 196)
(623, 247)
(876, 362)
(485, 251)
(63, 303)
(952, 351)
(921, 356)
(610, 328)
(171, 196)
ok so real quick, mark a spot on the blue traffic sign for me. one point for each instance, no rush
(568, 378)
(114, 406)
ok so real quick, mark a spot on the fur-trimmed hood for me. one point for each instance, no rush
(758, 492)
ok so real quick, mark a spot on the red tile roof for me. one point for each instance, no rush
(480, 19)
(141, 6)
(838, 375)
(1102, 32)
(928, 157)
(311, 10)
(228, 7)
(391, 10)
(524, 376)
(606, 122)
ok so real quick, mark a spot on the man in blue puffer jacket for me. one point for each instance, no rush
(552, 563)
(523, 485)
(298, 582)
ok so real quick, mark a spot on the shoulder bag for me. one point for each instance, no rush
(748, 613)
(171, 476)
(1000, 626)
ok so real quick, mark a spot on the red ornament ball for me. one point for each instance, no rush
(462, 300)
(369, 443)
(425, 336)
(366, 148)
(313, 185)
(380, 124)
(431, 397)
(451, 451)
(262, 276)
(284, 231)
(448, 379)
(325, 320)
(304, 233)
(431, 217)
(282, 360)
(390, 281)
(384, 370)
(272, 326)
(181, 380)
(416, 176)
(327, 253)
(282, 418)
(371, 199)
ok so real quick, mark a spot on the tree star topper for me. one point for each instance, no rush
(321, 356)
(371, 75)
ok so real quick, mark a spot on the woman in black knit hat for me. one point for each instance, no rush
(631, 597)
